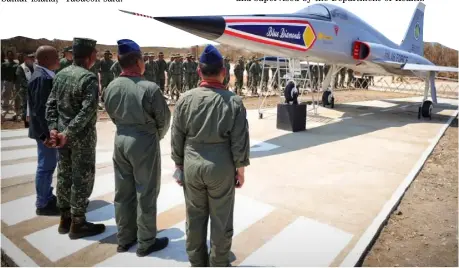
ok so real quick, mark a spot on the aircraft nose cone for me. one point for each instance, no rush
(208, 27)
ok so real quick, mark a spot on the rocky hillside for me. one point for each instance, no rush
(435, 52)
(25, 44)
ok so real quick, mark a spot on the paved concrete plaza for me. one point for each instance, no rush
(313, 198)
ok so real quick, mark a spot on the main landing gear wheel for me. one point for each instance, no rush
(328, 99)
(425, 110)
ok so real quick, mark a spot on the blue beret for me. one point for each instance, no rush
(125, 46)
(210, 55)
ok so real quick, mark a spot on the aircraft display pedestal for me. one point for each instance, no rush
(291, 117)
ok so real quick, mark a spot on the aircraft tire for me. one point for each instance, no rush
(325, 98)
(426, 109)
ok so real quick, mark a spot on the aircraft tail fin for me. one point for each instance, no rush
(414, 37)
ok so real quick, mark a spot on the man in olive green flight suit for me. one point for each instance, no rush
(67, 60)
(210, 145)
(137, 154)
(71, 112)
(169, 77)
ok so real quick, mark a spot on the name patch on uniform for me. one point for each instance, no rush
(292, 33)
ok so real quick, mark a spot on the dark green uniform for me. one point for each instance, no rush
(63, 64)
(169, 77)
(350, 77)
(116, 69)
(342, 77)
(254, 74)
(210, 142)
(137, 155)
(106, 76)
(175, 70)
(190, 70)
(227, 74)
(8, 76)
(160, 72)
(247, 68)
(150, 71)
(239, 74)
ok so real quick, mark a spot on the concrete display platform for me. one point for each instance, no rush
(313, 198)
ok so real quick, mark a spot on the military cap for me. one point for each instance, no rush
(68, 49)
(210, 55)
(160, 53)
(126, 46)
(152, 54)
(189, 55)
(83, 45)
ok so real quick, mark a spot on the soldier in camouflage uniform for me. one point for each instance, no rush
(116, 69)
(23, 74)
(350, 77)
(95, 70)
(239, 74)
(254, 74)
(182, 75)
(264, 85)
(160, 69)
(150, 68)
(189, 67)
(210, 147)
(195, 73)
(175, 70)
(141, 115)
(71, 112)
(247, 68)
(169, 77)
(106, 76)
(342, 77)
(227, 74)
(67, 60)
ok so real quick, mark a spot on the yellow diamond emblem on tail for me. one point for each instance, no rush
(308, 36)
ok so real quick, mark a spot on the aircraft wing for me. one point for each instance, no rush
(422, 67)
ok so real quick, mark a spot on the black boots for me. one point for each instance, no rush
(77, 226)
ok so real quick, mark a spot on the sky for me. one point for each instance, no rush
(103, 22)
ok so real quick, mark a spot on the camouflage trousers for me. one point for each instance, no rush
(176, 85)
(189, 81)
(254, 84)
(239, 84)
(76, 172)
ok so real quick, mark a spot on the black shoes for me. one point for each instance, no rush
(159, 244)
(80, 228)
(51, 209)
(66, 221)
(124, 248)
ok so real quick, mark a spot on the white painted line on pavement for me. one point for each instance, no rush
(246, 212)
(18, 142)
(346, 118)
(171, 195)
(22, 209)
(15, 133)
(29, 168)
(19, 154)
(16, 254)
(302, 243)
(366, 114)
(354, 255)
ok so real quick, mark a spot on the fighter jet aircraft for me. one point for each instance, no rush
(323, 33)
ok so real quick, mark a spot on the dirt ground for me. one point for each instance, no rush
(423, 230)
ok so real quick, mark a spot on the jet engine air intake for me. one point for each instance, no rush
(360, 50)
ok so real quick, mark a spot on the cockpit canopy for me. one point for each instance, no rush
(316, 11)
